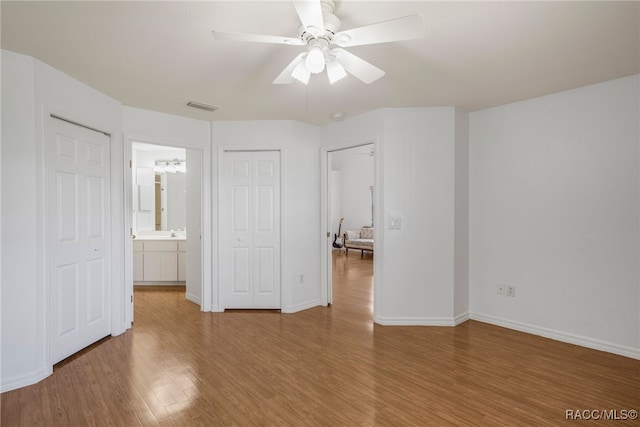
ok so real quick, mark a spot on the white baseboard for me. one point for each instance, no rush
(303, 306)
(580, 340)
(25, 380)
(159, 283)
(423, 321)
(461, 318)
(192, 298)
(415, 321)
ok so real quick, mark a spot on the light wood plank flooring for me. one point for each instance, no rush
(321, 367)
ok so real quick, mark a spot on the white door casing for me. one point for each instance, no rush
(79, 243)
(250, 233)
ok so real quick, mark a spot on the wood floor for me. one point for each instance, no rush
(321, 367)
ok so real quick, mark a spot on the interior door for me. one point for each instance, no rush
(194, 226)
(79, 242)
(250, 252)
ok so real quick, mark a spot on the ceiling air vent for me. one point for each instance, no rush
(201, 106)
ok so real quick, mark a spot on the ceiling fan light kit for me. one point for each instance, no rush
(316, 57)
(320, 29)
(335, 71)
(301, 73)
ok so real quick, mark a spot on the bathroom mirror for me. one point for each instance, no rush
(159, 188)
(170, 201)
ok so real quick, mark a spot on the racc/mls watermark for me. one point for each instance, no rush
(601, 414)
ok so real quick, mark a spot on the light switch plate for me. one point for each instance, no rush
(395, 223)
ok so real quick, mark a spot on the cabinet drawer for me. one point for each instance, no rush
(138, 246)
(182, 246)
(160, 246)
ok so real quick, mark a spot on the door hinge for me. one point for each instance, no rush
(131, 299)
(328, 234)
(130, 164)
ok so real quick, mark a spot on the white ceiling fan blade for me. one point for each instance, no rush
(243, 37)
(286, 76)
(360, 68)
(407, 28)
(310, 13)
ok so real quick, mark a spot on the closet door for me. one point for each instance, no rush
(250, 229)
(79, 239)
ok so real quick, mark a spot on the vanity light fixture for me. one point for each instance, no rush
(170, 166)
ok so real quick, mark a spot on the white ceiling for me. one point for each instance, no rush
(159, 55)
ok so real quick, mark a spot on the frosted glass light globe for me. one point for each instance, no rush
(315, 60)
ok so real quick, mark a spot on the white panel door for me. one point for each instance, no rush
(79, 243)
(192, 273)
(250, 234)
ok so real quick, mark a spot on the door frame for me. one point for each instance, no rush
(116, 303)
(285, 296)
(205, 215)
(326, 270)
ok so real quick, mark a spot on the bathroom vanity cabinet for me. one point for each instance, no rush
(159, 260)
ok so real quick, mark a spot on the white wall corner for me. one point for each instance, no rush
(461, 213)
(301, 306)
(461, 318)
(192, 298)
(27, 379)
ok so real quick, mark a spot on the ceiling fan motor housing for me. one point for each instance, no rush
(331, 25)
(318, 40)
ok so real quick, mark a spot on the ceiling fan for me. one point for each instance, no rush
(320, 30)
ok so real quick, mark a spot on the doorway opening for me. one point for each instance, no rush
(166, 205)
(350, 215)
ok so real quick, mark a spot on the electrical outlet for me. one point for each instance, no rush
(301, 278)
(511, 291)
(500, 289)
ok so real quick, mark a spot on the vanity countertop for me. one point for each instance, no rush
(160, 238)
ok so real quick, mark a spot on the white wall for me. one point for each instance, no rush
(30, 90)
(461, 220)
(165, 129)
(415, 181)
(554, 211)
(194, 135)
(419, 187)
(23, 352)
(300, 197)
